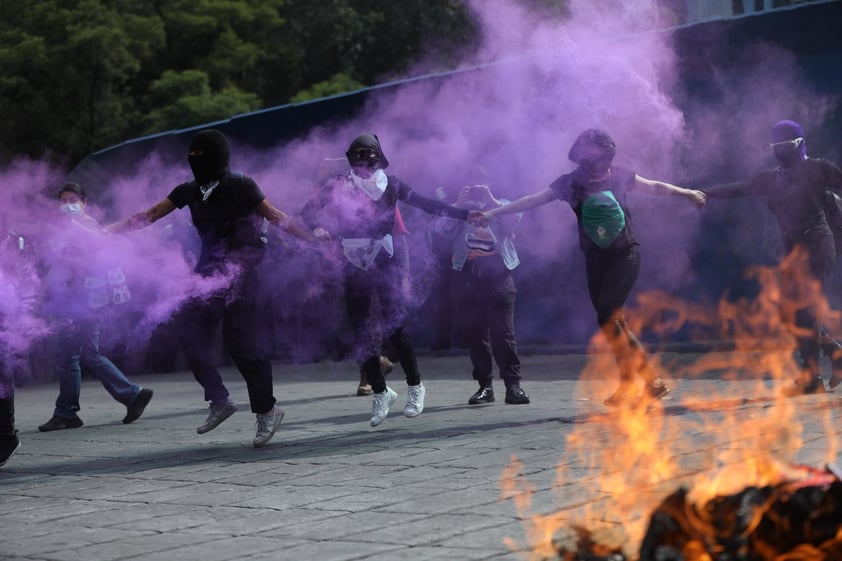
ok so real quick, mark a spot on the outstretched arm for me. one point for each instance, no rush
(430, 206)
(141, 219)
(655, 187)
(524, 203)
(285, 222)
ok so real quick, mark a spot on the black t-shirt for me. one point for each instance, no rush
(227, 222)
(573, 188)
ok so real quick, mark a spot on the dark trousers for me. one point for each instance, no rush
(440, 292)
(611, 275)
(238, 312)
(7, 415)
(804, 271)
(484, 297)
(376, 311)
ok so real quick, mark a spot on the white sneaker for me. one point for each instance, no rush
(414, 400)
(267, 424)
(380, 405)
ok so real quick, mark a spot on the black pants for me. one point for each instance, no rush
(237, 310)
(484, 298)
(611, 275)
(440, 293)
(376, 311)
(7, 415)
(804, 271)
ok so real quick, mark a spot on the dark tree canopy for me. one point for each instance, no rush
(80, 75)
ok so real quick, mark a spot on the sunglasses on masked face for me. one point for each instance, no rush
(363, 156)
(787, 144)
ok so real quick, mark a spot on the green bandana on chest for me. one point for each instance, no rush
(602, 218)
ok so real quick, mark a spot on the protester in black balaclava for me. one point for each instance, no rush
(227, 210)
(209, 156)
(365, 202)
(796, 192)
(596, 191)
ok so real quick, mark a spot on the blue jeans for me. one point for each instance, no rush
(76, 348)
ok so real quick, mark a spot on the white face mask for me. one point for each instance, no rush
(373, 186)
(73, 209)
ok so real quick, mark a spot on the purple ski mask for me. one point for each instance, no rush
(787, 138)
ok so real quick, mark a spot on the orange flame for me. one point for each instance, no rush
(629, 459)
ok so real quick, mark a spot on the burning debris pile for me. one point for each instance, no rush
(728, 455)
(797, 519)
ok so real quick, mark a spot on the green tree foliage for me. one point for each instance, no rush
(66, 70)
(337, 84)
(79, 75)
(182, 99)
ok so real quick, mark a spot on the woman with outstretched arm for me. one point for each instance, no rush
(596, 191)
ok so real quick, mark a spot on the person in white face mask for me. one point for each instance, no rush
(76, 295)
(365, 204)
(74, 202)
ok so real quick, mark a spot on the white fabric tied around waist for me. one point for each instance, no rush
(361, 252)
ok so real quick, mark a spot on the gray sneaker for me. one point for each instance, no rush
(267, 424)
(218, 413)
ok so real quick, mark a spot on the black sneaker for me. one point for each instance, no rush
(9, 444)
(835, 372)
(657, 389)
(60, 423)
(624, 396)
(516, 396)
(135, 409)
(800, 387)
(484, 395)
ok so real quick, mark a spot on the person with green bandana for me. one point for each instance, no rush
(596, 191)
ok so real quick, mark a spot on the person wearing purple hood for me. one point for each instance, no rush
(228, 209)
(367, 199)
(596, 191)
(796, 192)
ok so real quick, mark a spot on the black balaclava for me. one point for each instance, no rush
(787, 138)
(209, 156)
(593, 151)
(365, 155)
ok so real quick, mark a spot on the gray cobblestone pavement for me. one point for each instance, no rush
(329, 487)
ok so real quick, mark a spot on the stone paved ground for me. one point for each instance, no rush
(329, 487)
